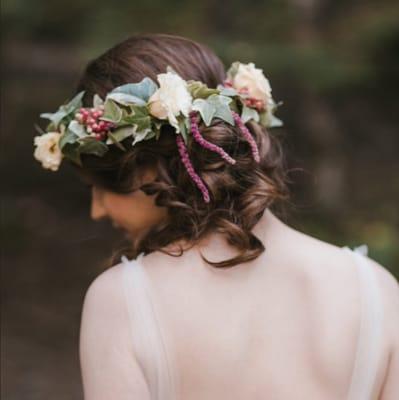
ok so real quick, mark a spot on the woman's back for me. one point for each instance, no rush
(284, 326)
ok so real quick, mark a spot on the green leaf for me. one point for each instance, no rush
(78, 129)
(71, 151)
(206, 109)
(112, 139)
(143, 135)
(68, 137)
(275, 122)
(268, 120)
(55, 118)
(215, 106)
(126, 99)
(248, 114)
(199, 90)
(112, 112)
(75, 103)
(90, 145)
(64, 110)
(120, 134)
(221, 104)
(139, 118)
(135, 92)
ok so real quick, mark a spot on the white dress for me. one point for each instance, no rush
(157, 363)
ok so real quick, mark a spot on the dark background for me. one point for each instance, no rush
(334, 63)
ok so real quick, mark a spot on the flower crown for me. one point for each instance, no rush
(139, 110)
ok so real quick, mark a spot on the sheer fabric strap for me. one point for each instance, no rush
(148, 338)
(370, 330)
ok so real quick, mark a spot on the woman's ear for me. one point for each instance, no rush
(148, 175)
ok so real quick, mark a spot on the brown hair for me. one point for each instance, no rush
(239, 193)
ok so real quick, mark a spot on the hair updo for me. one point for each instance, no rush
(239, 193)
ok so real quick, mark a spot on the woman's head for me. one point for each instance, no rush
(147, 190)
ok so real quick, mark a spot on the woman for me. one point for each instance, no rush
(216, 297)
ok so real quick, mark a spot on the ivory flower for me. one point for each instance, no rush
(252, 81)
(171, 99)
(47, 150)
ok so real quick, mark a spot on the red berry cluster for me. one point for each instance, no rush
(90, 118)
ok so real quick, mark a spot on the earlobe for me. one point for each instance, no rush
(148, 176)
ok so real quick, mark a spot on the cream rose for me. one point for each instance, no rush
(47, 150)
(171, 99)
(253, 80)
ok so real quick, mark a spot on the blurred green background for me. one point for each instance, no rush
(333, 63)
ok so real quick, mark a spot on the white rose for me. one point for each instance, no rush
(252, 79)
(47, 150)
(171, 99)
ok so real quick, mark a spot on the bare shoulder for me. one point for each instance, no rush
(389, 289)
(104, 296)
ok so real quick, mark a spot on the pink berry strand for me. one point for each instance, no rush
(204, 143)
(190, 169)
(247, 134)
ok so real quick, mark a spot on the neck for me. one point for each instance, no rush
(267, 226)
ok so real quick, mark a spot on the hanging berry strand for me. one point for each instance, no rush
(190, 169)
(247, 135)
(203, 142)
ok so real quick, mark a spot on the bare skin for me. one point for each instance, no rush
(283, 326)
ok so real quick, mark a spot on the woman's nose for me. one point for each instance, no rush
(97, 208)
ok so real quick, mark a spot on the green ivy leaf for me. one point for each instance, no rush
(90, 145)
(71, 151)
(268, 120)
(75, 103)
(120, 134)
(55, 118)
(68, 137)
(215, 106)
(139, 118)
(248, 114)
(267, 117)
(223, 111)
(78, 129)
(206, 109)
(112, 112)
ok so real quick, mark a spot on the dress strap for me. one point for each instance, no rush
(148, 338)
(369, 345)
